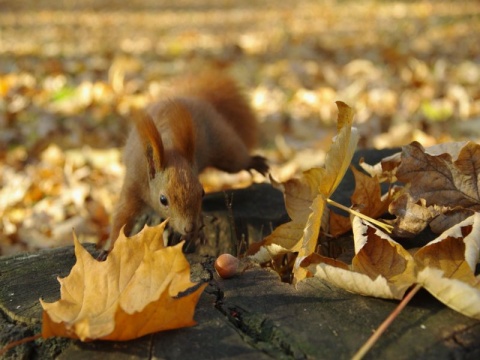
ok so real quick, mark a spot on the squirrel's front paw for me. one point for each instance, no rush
(259, 163)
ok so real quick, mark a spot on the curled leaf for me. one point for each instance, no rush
(446, 267)
(381, 267)
(337, 161)
(412, 216)
(305, 199)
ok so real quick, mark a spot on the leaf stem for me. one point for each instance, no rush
(386, 323)
(386, 227)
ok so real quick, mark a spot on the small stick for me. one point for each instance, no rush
(18, 342)
(386, 323)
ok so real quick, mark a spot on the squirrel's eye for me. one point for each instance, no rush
(163, 200)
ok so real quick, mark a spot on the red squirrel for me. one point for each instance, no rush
(206, 122)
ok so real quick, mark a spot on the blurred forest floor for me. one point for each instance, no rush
(71, 71)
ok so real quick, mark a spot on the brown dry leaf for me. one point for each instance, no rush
(338, 224)
(142, 287)
(381, 267)
(440, 180)
(305, 199)
(386, 169)
(446, 267)
(441, 185)
(367, 199)
(412, 216)
(449, 188)
(449, 218)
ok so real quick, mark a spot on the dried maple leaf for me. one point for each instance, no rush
(142, 287)
(366, 198)
(447, 188)
(381, 267)
(440, 180)
(305, 199)
(386, 169)
(442, 183)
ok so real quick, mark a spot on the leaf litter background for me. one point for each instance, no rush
(71, 72)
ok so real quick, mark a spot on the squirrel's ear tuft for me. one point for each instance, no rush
(183, 134)
(151, 141)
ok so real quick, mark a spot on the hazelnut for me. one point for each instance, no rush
(226, 266)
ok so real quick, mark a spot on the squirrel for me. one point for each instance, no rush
(206, 122)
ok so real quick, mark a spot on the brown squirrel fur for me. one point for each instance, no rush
(206, 122)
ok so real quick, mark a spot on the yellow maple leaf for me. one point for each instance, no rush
(305, 199)
(142, 287)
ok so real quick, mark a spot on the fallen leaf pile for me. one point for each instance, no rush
(40, 204)
(70, 75)
(141, 288)
(383, 268)
(439, 190)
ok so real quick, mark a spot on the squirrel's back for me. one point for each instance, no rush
(223, 93)
(204, 121)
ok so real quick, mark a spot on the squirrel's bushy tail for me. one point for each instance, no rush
(227, 97)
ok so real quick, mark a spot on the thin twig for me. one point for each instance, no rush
(386, 323)
(18, 342)
(386, 227)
